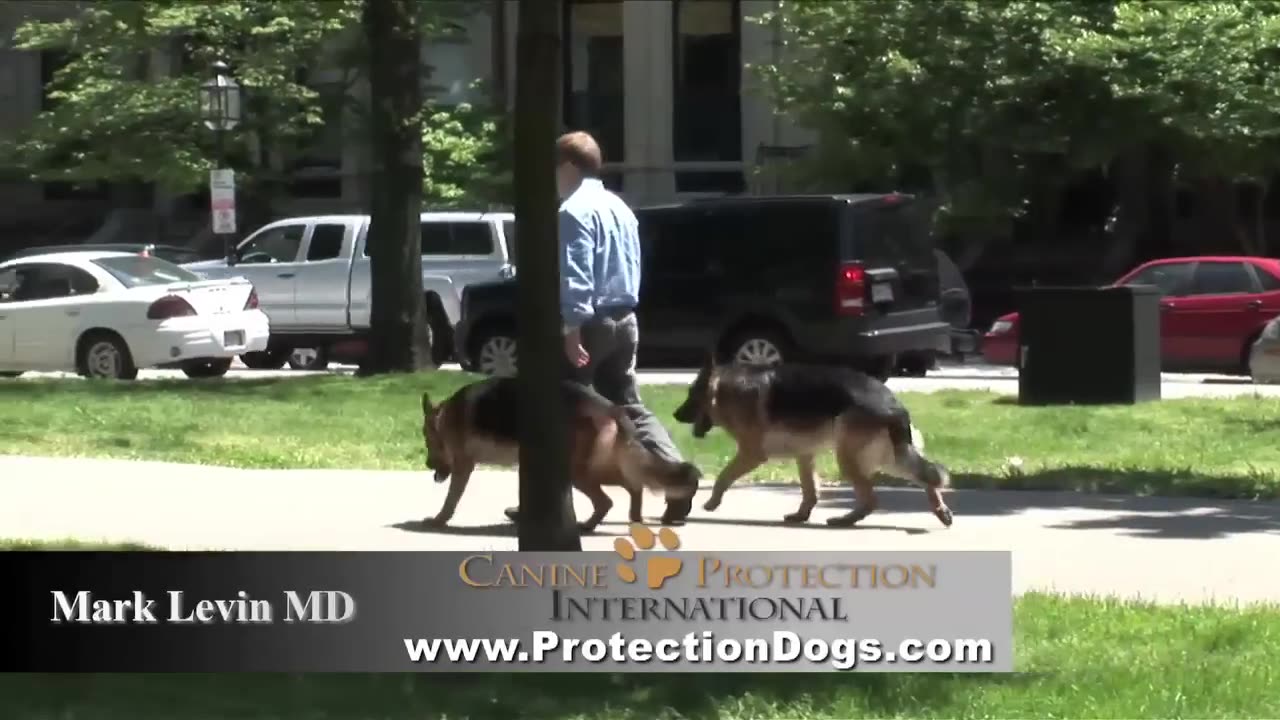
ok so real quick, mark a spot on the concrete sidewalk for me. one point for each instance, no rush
(1163, 549)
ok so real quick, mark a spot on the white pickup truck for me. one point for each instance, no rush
(313, 281)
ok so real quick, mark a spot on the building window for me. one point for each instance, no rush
(593, 77)
(452, 75)
(707, 112)
(316, 162)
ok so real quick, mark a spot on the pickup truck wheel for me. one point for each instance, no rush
(309, 359)
(265, 359)
(496, 353)
(438, 332)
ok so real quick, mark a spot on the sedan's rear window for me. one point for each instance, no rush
(141, 270)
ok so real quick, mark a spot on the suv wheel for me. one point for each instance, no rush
(758, 347)
(496, 354)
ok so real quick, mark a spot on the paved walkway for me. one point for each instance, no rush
(974, 376)
(1162, 549)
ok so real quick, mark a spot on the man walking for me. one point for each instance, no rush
(600, 287)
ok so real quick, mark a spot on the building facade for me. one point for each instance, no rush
(664, 85)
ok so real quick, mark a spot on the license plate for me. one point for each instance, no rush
(234, 338)
(881, 292)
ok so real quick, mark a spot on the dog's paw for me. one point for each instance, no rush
(944, 515)
(711, 504)
(436, 522)
(848, 519)
(796, 518)
(586, 528)
(658, 569)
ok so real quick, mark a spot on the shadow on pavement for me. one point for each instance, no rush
(504, 529)
(813, 524)
(1155, 517)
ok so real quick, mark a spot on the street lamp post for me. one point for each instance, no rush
(220, 110)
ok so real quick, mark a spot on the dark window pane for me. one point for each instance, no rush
(1222, 278)
(326, 242)
(439, 238)
(1270, 283)
(279, 244)
(593, 73)
(1172, 279)
(509, 232)
(435, 239)
(719, 181)
(707, 80)
(472, 239)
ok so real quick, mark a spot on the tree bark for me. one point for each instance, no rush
(547, 519)
(398, 340)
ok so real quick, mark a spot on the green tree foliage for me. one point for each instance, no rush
(982, 103)
(125, 105)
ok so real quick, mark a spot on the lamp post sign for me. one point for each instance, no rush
(222, 201)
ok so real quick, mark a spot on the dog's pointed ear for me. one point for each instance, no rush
(426, 403)
(709, 362)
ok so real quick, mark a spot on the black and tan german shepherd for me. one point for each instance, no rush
(479, 425)
(798, 411)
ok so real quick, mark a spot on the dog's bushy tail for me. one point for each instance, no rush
(908, 452)
(643, 468)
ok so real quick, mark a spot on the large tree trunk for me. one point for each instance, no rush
(547, 520)
(398, 339)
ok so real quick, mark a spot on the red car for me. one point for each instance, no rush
(1211, 311)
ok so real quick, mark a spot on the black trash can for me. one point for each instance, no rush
(1084, 345)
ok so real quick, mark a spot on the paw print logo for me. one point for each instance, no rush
(658, 569)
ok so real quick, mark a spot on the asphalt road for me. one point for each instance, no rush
(957, 377)
(1162, 549)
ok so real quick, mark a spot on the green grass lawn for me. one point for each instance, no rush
(1076, 658)
(1206, 447)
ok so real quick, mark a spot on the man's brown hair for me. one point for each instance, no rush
(580, 150)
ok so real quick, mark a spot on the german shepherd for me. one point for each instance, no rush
(798, 410)
(479, 425)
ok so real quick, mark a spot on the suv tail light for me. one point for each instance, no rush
(851, 289)
(169, 306)
(252, 302)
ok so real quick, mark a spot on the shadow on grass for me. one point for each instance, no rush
(695, 696)
(1165, 516)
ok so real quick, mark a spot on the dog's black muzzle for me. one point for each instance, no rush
(685, 413)
(701, 426)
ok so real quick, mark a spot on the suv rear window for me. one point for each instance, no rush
(893, 232)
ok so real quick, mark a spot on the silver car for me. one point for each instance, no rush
(1264, 356)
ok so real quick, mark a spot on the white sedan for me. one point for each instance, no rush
(107, 314)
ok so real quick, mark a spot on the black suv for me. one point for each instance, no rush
(850, 279)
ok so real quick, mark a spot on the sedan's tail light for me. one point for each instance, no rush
(170, 306)
(252, 302)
